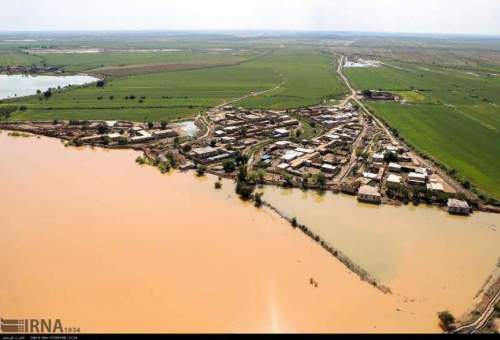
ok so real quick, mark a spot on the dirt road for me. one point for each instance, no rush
(483, 318)
(353, 97)
(209, 125)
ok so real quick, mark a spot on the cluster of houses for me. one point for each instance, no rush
(330, 117)
(325, 154)
(123, 132)
(390, 166)
(298, 159)
(349, 150)
(109, 133)
(233, 125)
(379, 95)
(209, 154)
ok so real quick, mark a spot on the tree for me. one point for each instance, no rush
(447, 321)
(218, 185)
(288, 179)
(244, 190)
(186, 148)
(258, 199)
(320, 180)
(163, 124)
(102, 129)
(242, 174)
(261, 175)
(305, 180)
(47, 94)
(150, 125)
(241, 159)
(390, 157)
(100, 83)
(229, 166)
(200, 170)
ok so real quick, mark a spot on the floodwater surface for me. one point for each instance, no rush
(90, 237)
(26, 85)
(438, 260)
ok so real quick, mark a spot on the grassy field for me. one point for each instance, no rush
(14, 58)
(305, 79)
(106, 61)
(308, 78)
(452, 115)
(167, 95)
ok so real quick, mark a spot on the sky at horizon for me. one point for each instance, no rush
(402, 16)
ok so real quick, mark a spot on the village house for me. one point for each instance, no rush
(205, 152)
(458, 207)
(369, 194)
(394, 167)
(394, 179)
(415, 178)
(165, 134)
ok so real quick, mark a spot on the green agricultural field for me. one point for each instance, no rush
(167, 95)
(305, 79)
(308, 78)
(96, 62)
(13, 58)
(455, 117)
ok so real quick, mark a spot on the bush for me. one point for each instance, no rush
(258, 199)
(241, 159)
(320, 180)
(200, 170)
(218, 185)
(102, 129)
(229, 166)
(447, 321)
(244, 190)
(288, 179)
(164, 167)
(390, 157)
(122, 141)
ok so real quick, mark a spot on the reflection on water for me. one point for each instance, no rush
(26, 85)
(107, 245)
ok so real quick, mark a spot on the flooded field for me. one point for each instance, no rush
(422, 253)
(22, 85)
(107, 245)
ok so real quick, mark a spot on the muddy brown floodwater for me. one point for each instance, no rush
(106, 245)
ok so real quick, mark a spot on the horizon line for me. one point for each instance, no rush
(242, 30)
